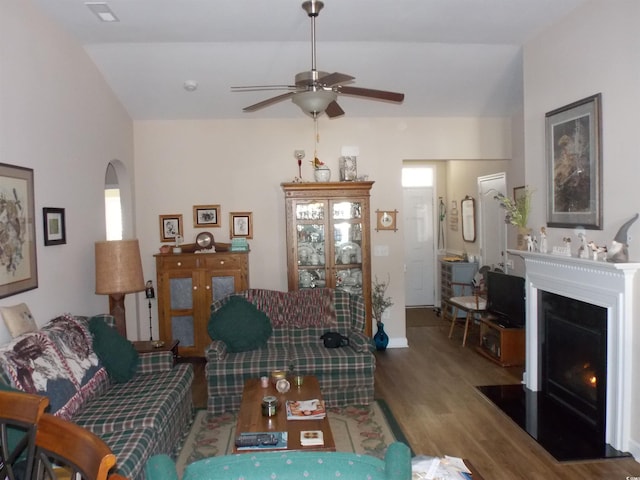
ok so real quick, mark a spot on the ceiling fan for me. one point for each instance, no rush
(316, 91)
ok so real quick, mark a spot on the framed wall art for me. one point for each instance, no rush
(206, 216)
(170, 227)
(55, 229)
(574, 164)
(18, 266)
(241, 224)
(386, 220)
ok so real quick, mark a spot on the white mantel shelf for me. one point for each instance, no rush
(609, 285)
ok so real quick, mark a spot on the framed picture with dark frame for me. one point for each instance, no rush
(241, 224)
(19, 270)
(170, 227)
(206, 216)
(574, 164)
(55, 230)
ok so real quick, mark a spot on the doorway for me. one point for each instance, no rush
(419, 244)
(493, 229)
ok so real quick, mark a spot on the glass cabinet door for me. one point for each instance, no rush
(346, 225)
(310, 236)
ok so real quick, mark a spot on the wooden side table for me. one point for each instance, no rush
(148, 346)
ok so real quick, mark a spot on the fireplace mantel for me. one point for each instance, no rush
(609, 285)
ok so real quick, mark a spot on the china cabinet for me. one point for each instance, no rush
(187, 284)
(328, 237)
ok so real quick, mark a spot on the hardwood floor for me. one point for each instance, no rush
(430, 388)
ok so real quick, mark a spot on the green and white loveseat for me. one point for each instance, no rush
(258, 331)
(140, 405)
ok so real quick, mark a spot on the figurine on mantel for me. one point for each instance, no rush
(543, 240)
(597, 251)
(585, 248)
(618, 252)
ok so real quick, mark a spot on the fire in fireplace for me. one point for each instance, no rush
(573, 356)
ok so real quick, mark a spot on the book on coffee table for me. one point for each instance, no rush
(305, 409)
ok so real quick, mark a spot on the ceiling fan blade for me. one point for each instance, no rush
(334, 110)
(370, 93)
(259, 88)
(335, 78)
(267, 102)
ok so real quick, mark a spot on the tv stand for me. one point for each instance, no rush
(503, 345)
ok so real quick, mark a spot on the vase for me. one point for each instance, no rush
(522, 238)
(322, 174)
(381, 339)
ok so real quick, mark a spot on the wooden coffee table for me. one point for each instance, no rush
(250, 418)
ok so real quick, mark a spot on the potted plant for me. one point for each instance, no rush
(517, 212)
(379, 303)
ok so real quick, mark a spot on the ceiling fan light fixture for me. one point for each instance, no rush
(314, 102)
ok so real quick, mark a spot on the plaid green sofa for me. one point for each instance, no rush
(298, 319)
(142, 417)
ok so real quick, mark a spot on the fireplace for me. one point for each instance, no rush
(611, 287)
(573, 351)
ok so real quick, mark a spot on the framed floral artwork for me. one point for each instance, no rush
(19, 270)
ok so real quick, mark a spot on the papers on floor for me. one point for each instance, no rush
(305, 409)
(439, 468)
(309, 438)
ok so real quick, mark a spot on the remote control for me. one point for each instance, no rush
(256, 440)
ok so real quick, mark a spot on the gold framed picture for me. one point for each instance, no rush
(386, 220)
(170, 227)
(206, 216)
(241, 224)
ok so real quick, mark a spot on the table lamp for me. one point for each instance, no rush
(118, 272)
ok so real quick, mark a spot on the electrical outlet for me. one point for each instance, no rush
(509, 263)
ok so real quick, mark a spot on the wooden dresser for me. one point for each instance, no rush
(187, 284)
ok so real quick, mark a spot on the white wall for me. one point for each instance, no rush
(240, 164)
(594, 50)
(58, 117)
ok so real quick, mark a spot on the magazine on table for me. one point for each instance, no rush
(261, 440)
(306, 409)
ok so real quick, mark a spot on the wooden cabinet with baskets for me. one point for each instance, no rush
(187, 284)
(328, 237)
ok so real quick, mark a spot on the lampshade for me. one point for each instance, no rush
(314, 101)
(118, 267)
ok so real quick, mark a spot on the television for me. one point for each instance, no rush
(506, 299)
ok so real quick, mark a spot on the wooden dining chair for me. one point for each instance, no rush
(19, 416)
(64, 445)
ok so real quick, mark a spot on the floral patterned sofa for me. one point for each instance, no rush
(137, 417)
(297, 321)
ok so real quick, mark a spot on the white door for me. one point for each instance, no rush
(419, 246)
(492, 227)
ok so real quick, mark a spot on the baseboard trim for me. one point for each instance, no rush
(398, 342)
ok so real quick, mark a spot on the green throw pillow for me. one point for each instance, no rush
(116, 353)
(240, 325)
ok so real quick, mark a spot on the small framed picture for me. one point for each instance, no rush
(241, 224)
(386, 220)
(170, 227)
(206, 216)
(54, 226)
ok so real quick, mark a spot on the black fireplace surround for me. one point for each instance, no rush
(568, 416)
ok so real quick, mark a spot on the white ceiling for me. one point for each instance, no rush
(449, 57)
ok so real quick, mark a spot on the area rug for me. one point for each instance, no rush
(365, 429)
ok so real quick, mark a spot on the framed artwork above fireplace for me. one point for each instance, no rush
(574, 164)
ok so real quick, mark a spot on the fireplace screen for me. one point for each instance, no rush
(574, 355)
